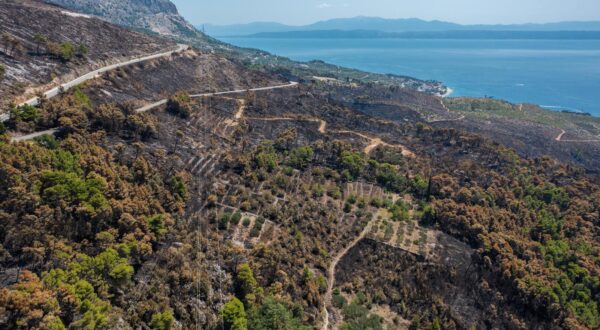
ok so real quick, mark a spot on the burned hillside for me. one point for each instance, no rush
(191, 191)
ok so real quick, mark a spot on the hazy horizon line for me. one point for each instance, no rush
(399, 18)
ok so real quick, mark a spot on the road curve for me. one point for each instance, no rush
(374, 142)
(562, 133)
(93, 74)
(559, 138)
(242, 107)
(448, 111)
(34, 101)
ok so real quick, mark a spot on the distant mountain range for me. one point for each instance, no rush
(389, 26)
(453, 34)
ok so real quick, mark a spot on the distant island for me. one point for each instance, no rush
(453, 34)
(388, 25)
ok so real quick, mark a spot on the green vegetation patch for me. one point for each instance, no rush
(357, 315)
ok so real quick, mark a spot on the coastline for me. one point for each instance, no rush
(436, 60)
(449, 92)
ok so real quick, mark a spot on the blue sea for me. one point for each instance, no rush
(556, 74)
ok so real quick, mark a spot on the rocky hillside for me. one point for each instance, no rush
(158, 16)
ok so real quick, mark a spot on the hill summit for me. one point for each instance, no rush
(159, 16)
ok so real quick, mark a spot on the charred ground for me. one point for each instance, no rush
(207, 211)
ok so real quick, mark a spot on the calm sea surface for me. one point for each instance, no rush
(557, 74)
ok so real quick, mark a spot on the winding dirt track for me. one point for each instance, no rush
(240, 113)
(447, 110)
(562, 133)
(322, 126)
(374, 142)
(559, 138)
(331, 273)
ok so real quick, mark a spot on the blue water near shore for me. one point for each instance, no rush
(557, 74)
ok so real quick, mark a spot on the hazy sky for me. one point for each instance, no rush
(459, 11)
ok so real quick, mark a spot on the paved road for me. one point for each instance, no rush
(237, 91)
(156, 104)
(152, 106)
(34, 135)
(93, 74)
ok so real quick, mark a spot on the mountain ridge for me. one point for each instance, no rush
(157, 16)
(391, 25)
(450, 34)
